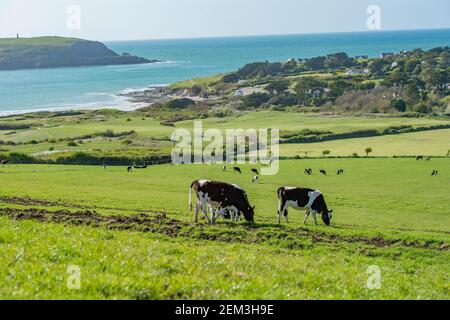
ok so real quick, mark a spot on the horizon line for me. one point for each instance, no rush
(244, 35)
(278, 34)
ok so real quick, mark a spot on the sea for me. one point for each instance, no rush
(101, 87)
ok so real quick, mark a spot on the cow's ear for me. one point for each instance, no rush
(331, 211)
(254, 207)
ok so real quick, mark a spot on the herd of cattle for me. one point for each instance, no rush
(230, 201)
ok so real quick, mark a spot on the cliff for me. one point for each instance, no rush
(54, 52)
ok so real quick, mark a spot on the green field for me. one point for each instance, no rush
(432, 143)
(38, 41)
(151, 135)
(389, 213)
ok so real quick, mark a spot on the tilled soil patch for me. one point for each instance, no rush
(160, 223)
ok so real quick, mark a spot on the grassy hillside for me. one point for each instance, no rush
(53, 52)
(39, 41)
(382, 217)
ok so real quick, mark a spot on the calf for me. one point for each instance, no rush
(237, 170)
(308, 172)
(323, 172)
(301, 198)
(434, 173)
(340, 171)
(255, 179)
(221, 197)
(419, 158)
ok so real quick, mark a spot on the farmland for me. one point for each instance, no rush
(138, 134)
(389, 213)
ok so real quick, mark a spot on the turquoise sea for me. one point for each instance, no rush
(97, 87)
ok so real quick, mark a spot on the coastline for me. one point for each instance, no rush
(121, 102)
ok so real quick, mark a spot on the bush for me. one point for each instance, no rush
(256, 99)
(422, 108)
(72, 144)
(399, 105)
(180, 103)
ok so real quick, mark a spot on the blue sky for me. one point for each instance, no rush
(155, 19)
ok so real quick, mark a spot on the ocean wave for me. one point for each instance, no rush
(117, 102)
(133, 90)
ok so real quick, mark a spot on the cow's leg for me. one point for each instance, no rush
(205, 209)
(281, 205)
(215, 213)
(197, 209)
(286, 213)
(314, 215)
(306, 216)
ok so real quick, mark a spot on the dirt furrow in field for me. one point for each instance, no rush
(291, 238)
(25, 201)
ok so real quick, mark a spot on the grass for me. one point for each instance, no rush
(202, 82)
(433, 143)
(38, 41)
(149, 131)
(394, 199)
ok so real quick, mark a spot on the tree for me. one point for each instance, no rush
(326, 153)
(399, 105)
(309, 88)
(368, 151)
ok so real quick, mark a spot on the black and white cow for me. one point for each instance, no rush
(222, 198)
(310, 200)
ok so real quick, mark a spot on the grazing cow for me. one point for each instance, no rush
(255, 179)
(221, 197)
(323, 172)
(419, 158)
(130, 168)
(255, 171)
(434, 173)
(428, 159)
(308, 171)
(4, 162)
(302, 198)
(340, 171)
(237, 170)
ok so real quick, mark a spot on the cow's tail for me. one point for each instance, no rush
(190, 195)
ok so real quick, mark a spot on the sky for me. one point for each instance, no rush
(107, 20)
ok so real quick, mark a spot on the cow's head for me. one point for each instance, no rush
(327, 216)
(249, 214)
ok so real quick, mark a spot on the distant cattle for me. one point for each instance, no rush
(434, 173)
(255, 179)
(255, 171)
(221, 198)
(130, 168)
(237, 170)
(302, 198)
(4, 162)
(340, 172)
(428, 159)
(308, 171)
(104, 166)
(323, 172)
(419, 158)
